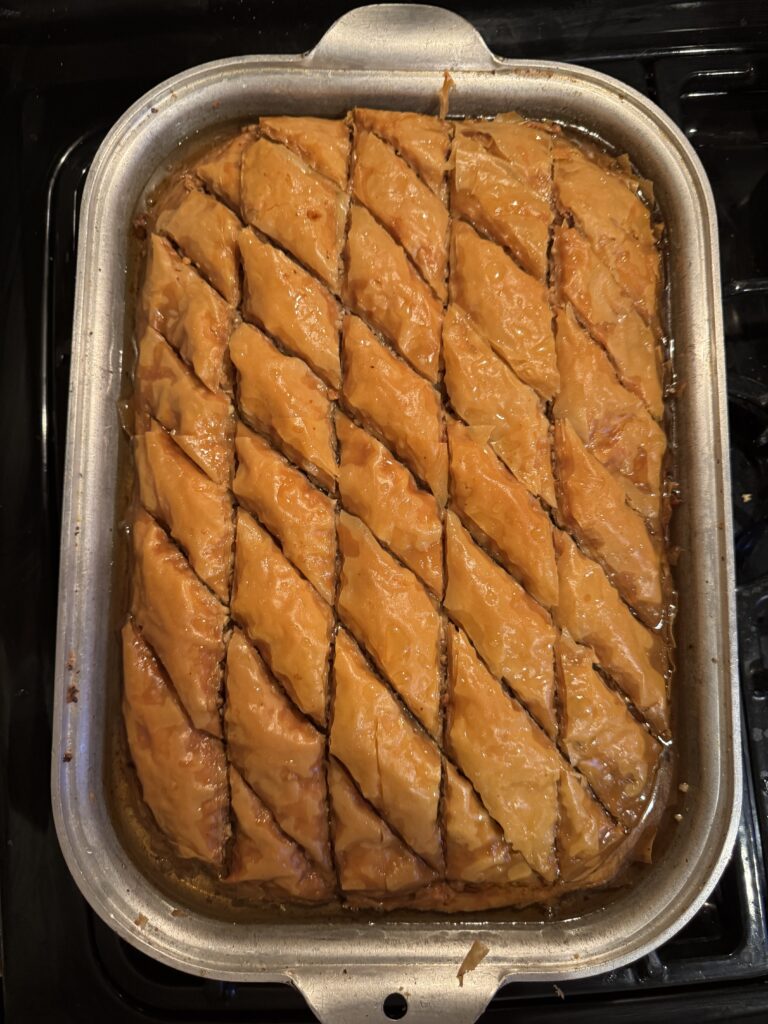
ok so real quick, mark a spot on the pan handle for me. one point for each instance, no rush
(378, 995)
(401, 37)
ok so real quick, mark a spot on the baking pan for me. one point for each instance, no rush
(394, 56)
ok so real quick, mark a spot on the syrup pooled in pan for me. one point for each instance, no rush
(378, 391)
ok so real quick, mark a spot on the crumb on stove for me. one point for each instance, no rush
(67, 756)
(559, 992)
(683, 787)
(71, 661)
(448, 84)
(746, 498)
(177, 912)
(140, 921)
(678, 817)
(478, 951)
(72, 694)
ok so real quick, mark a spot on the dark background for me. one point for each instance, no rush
(67, 71)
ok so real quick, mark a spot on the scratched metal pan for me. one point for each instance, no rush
(394, 56)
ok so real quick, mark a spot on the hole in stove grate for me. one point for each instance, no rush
(395, 1006)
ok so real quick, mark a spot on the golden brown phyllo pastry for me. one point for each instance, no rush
(398, 630)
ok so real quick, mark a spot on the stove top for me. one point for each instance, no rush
(65, 75)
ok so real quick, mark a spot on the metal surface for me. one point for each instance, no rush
(395, 56)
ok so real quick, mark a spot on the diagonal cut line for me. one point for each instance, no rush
(396, 241)
(276, 821)
(247, 507)
(542, 398)
(488, 237)
(374, 810)
(188, 259)
(409, 715)
(405, 159)
(172, 687)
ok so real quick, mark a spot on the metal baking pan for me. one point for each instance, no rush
(395, 56)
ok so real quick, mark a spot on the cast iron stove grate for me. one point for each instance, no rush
(719, 96)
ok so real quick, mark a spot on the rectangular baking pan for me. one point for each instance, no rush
(395, 56)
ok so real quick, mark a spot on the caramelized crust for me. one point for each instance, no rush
(370, 858)
(199, 420)
(616, 754)
(612, 423)
(298, 208)
(205, 231)
(500, 512)
(280, 754)
(509, 760)
(421, 140)
(508, 307)
(322, 143)
(291, 305)
(407, 208)
(395, 766)
(382, 286)
(392, 617)
(512, 633)
(503, 411)
(263, 854)
(397, 404)
(220, 170)
(196, 511)
(615, 220)
(475, 849)
(299, 515)
(280, 396)
(192, 317)
(486, 192)
(180, 619)
(182, 772)
(592, 504)
(382, 492)
(587, 283)
(283, 615)
(593, 613)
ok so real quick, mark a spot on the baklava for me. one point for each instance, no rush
(399, 623)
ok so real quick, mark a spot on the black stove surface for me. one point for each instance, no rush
(66, 74)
